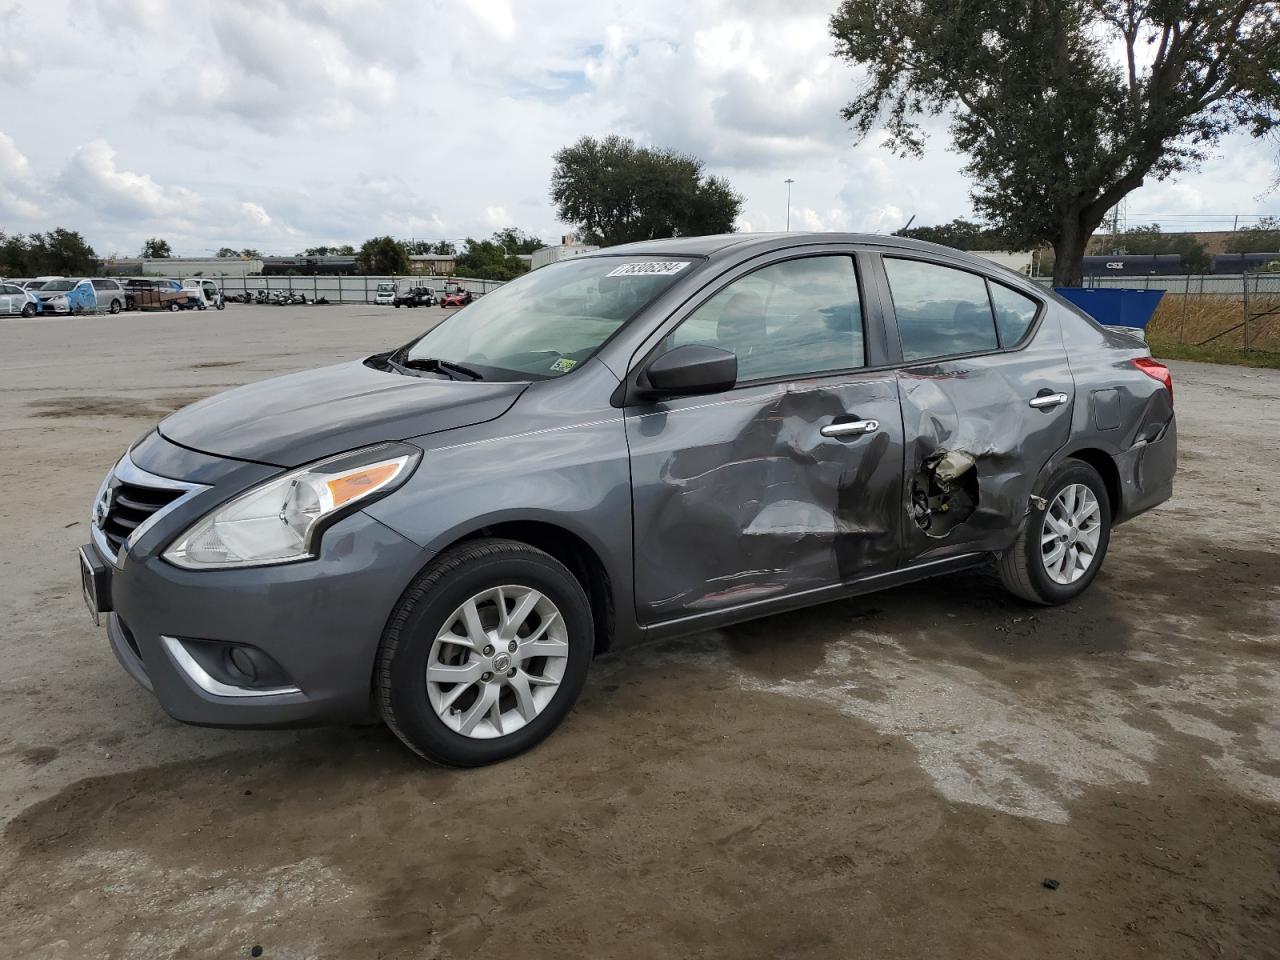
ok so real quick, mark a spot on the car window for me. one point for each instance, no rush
(940, 311)
(1014, 313)
(787, 320)
(53, 286)
(549, 321)
(7, 288)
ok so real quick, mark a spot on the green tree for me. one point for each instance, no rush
(345, 250)
(1261, 237)
(959, 233)
(315, 252)
(1056, 129)
(225, 253)
(443, 248)
(614, 191)
(517, 241)
(1151, 239)
(155, 248)
(250, 254)
(486, 260)
(15, 254)
(383, 255)
(62, 252)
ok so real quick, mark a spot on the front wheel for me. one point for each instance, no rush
(28, 310)
(1061, 545)
(173, 306)
(485, 653)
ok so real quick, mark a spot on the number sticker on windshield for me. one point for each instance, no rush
(649, 268)
(564, 365)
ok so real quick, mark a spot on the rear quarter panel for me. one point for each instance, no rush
(1121, 411)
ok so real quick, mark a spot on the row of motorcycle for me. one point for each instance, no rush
(277, 298)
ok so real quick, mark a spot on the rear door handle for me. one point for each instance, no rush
(1048, 400)
(850, 428)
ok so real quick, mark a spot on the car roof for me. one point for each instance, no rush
(745, 245)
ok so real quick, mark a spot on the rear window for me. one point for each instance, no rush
(941, 311)
(1014, 313)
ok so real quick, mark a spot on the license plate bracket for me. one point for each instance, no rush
(95, 583)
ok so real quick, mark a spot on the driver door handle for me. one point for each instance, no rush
(1048, 400)
(850, 428)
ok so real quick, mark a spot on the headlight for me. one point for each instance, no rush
(280, 520)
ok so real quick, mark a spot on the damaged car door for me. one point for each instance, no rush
(986, 393)
(789, 481)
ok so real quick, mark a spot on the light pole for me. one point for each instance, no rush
(788, 182)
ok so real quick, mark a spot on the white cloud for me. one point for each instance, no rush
(92, 177)
(282, 124)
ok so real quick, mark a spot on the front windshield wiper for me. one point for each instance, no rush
(438, 366)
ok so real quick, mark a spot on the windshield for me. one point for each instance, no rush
(547, 322)
(58, 285)
(386, 288)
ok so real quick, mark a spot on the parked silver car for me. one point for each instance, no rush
(15, 300)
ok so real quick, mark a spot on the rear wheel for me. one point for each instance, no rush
(485, 654)
(115, 306)
(1061, 545)
(173, 306)
(28, 310)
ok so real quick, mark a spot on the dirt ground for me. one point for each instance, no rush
(893, 776)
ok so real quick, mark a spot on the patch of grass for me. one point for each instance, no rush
(1182, 321)
(1169, 349)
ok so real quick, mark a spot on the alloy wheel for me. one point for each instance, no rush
(497, 661)
(1070, 534)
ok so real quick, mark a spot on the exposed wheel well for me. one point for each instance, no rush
(1101, 461)
(574, 553)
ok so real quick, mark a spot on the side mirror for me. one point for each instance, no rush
(692, 370)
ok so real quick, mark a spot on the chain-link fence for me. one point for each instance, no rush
(1230, 310)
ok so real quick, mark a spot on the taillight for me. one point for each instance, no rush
(1156, 371)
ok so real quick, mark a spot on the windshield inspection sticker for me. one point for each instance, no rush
(649, 268)
(563, 365)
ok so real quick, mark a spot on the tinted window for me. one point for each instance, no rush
(7, 289)
(787, 320)
(1014, 313)
(940, 311)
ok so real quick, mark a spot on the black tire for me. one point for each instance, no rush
(173, 306)
(222, 304)
(1022, 569)
(28, 310)
(115, 306)
(456, 575)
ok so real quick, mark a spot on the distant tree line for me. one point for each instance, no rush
(56, 253)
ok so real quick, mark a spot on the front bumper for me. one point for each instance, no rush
(319, 621)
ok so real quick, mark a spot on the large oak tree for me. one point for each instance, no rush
(1063, 107)
(615, 191)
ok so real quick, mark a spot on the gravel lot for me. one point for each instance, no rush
(892, 776)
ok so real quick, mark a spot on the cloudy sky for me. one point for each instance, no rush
(281, 124)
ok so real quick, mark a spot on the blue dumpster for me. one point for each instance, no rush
(1113, 307)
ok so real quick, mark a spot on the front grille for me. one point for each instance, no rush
(131, 506)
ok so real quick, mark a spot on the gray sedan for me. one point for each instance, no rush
(654, 440)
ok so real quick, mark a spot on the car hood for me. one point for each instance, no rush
(291, 420)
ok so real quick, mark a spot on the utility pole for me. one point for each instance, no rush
(788, 182)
